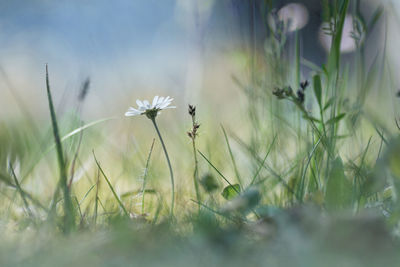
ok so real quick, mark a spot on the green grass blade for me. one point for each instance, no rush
(86, 194)
(79, 207)
(21, 192)
(69, 219)
(303, 176)
(223, 177)
(318, 89)
(263, 161)
(88, 125)
(146, 170)
(334, 55)
(111, 187)
(231, 155)
(265, 166)
(96, 200)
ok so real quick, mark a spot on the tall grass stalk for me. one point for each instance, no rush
(21, 192)
(96, 200)
(69, 218)
(196, 172)
(193, 134)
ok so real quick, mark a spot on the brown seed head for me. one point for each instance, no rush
(304, 85)
(192, 110)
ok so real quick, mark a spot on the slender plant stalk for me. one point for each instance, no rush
(111, 187)
(74, 160)
(21, 192)
(232, 158)
(196, 172)
(263, 162)
(96, 202)
(215, 168)
(69, 219)
(193, 134)
(145, 175)
(169, 166)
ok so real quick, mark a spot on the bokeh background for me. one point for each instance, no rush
(133, 49)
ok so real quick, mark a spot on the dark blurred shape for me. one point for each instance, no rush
(84, 89)
(209, 183)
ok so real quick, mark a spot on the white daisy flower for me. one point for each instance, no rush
(151, 111)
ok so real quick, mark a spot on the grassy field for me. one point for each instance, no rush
(287, 170)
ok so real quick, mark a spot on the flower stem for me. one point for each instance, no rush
(196, 169)
(169, 166)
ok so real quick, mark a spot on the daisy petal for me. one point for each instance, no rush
(132, 112)
(155, 100)
(164, 105)
(146, 103)
(160, 100)
(139, 103)
(133, 109)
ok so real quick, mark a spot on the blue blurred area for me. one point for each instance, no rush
(129, 47)
(124, 46)
(91, 30)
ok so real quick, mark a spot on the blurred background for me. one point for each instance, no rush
(230, 58)
(128, 49)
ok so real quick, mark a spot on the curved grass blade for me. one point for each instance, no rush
(87, 193)
(21, 192)
(303, 176)
(111, 187)
(231, 155)
(223, 177)
(263, 162)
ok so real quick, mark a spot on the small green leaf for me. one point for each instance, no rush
(325, 70)
(312, 118)
(328, 104)
(231, 191)
(336, 119)
(318, 89)
(343, 136)
(338, 188)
